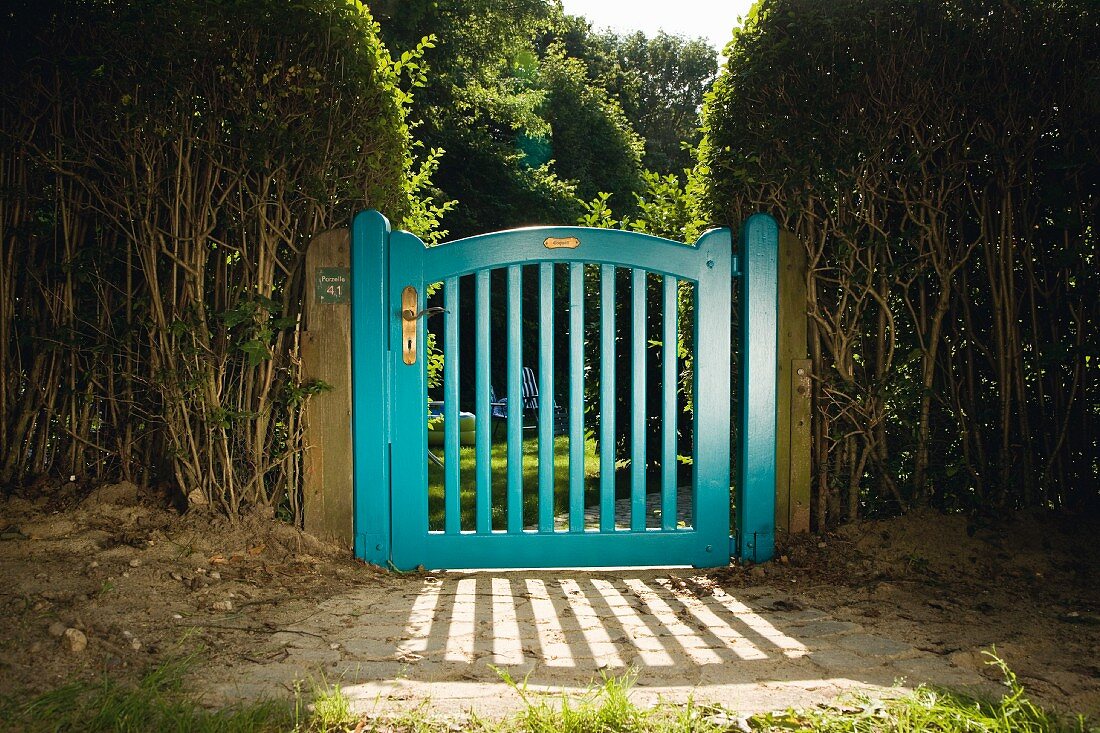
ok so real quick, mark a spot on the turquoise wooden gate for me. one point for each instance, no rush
(390, 274)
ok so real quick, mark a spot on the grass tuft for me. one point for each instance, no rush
(933, 710)
(156, 703)
(606, 708)
(160, 703)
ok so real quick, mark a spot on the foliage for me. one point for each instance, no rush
(939, 163)
(536, 113)
(163, 167)
(591, 141)
(480, 104)
(659, 83)
(665, 208)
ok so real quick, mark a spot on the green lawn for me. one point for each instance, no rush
(499, 463)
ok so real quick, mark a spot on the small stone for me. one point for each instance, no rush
(758, 571)
(57, 629)
(334, 646)
(222, 605)
(215, 575)
(176, 576)
(197, 498)
(135, 562)
(784, 559)
(128, 634)
(76, 639)
(821, 545)
(135, 645)
(93, 565)
(125, 574)
(177, 616)
(201, 571)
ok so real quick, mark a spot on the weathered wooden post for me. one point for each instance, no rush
(792, 479)
(326, 355)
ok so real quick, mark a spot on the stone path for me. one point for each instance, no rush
(622, 512)
(442, 638)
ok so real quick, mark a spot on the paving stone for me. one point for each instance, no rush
(653, 512)
(373, 649)
(828, 627)
(930, 670)
(871, 645)
(559, 631)
(314, 656)
(838, 661)
(797, 618)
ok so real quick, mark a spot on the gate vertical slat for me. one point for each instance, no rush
(638, 401)
(546, 397)
(451, 508)
(710, 471)
(483, 423)
(576, 397)
(669, 345)
(607, 398)
(515, 400)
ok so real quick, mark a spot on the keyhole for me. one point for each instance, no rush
(408, 345)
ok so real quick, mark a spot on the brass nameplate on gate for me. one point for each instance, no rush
(561, 242)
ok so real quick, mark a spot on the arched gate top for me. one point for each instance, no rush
(533, 245)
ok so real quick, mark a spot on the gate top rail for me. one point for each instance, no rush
(532, 245)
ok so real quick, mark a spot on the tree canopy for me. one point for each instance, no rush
(535, 113)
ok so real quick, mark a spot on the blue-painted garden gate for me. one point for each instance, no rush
(390, 272)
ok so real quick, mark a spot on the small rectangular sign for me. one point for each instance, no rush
(333, 285)
(561, 243)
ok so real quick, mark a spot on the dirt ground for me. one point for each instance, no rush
(113, 580)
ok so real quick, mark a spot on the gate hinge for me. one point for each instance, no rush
(735, 266)
(733, 545)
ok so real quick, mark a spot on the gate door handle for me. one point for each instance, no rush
(409, 317)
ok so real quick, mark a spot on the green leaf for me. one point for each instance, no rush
(256, 351)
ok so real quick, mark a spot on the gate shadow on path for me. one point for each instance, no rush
(587, 624)
(451, 637)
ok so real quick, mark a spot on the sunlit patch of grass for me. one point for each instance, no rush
(329, 711)
(498, 460)
(605, 707)
(933, 710)
(156, 703)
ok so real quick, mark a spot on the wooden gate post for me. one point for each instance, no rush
(792, 478)
(326, 356)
